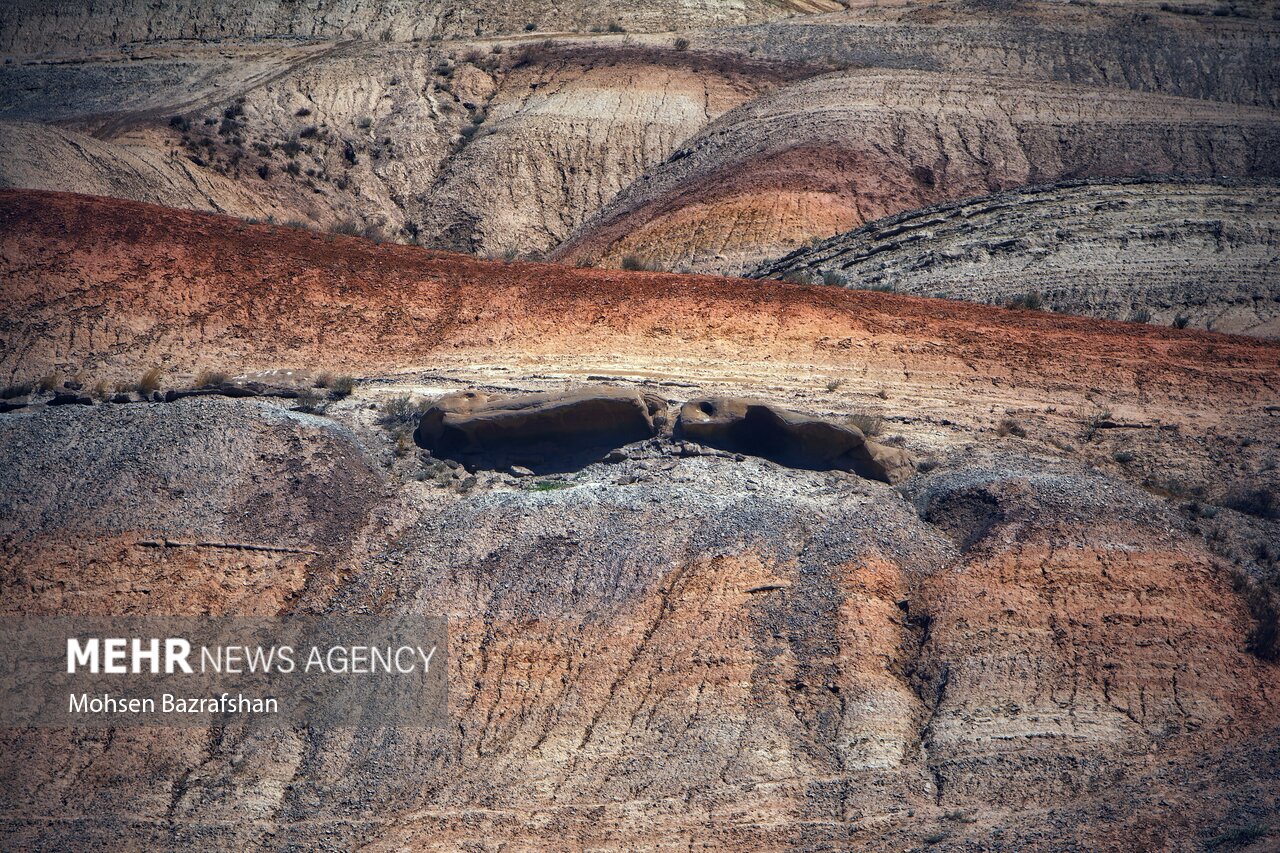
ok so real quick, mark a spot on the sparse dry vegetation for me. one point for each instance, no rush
(635, 263)
(20, 389)
(870, 425)
(1009, 426)
(343, 386)
(1031, 301)
(207, 378)
(401, 412)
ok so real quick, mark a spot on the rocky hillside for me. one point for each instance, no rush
(784, 169)
(38, 27)
(1050, 637)
(1168, 47)
(481, 150)
(1197, 254)
(498, 144)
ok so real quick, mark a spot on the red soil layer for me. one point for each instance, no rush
(107, 285)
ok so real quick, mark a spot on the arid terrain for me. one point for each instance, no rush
(1185, 253)
(825, 425)
(678, 646)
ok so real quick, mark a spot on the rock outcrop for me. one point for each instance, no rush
(664, 647)
(489, 153)
(542, 432)
(111, 289)
(571, 127)
(790, 438)
(830, 153)
(244, 499)
(1199, 254)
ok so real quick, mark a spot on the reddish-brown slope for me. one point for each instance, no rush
(107, 288)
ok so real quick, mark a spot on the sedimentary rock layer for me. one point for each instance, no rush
(508, 145)
(482, 151)
(832, 152)
(1157, 251)
(112, 288)
(1220, 53)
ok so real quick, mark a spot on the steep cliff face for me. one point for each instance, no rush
(847, 148)
(39, 27)
(1161, 251)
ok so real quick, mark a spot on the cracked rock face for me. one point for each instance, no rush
(1203, 252)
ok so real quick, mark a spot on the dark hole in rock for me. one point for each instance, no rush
(965, 517)
(546, 433)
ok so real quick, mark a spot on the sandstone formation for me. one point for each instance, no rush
(460, 148)
(256, 504)
(786, 168)
(109, 289)
(569, 129)
(1037, 644)
(903, 574)
(1199, 254)
(792, 438)
(540, 431)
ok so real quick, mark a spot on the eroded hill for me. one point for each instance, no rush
(785, 169)
(1039, 641)
(1194, 254)
(508, 143)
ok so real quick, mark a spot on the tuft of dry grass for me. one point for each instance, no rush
(207, 378)
(870, 425)
(1009, 426)
(343, 386)
(149, 381)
